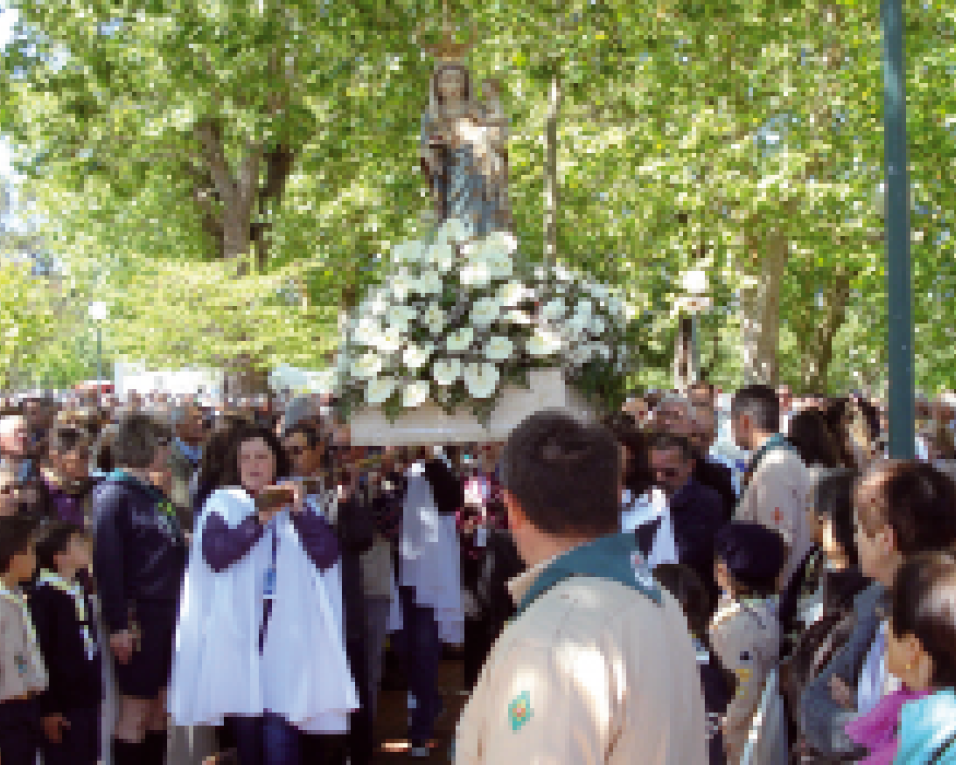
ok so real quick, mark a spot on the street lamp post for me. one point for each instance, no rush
(98, 313)
(692, 302)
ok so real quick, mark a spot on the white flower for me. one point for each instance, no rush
(442, 255)
(511, 293)
(446, 371)
(580, 355)
(379, 390)
(615, 307)
(399, 317)
(379, 304)
(578, 324)
(389, 341)
(598, 291)
(435, 319)
(367, 331)
(415, 394)
(408, 252)
(454, 230)
(502, 241)
(597, 326)
(519, 317)
(476, 273)
(498, 348)
(562, 274)
(485, 312)
(585, 308)
(402, 284)
(481, 379)
(416, 356)
(461, 340)
(430, 283)
(367, 365)
(602, 350)
(500, 266)
(554, 310)
(544, 343)
(540, 273)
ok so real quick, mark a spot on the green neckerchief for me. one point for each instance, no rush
(163, 504)
(614, 558)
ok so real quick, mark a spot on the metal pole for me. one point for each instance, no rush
(902, 393)
(99, 362)
(694, 349)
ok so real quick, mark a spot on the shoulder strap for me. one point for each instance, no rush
(942, 748)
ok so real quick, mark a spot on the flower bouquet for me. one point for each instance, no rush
(461, 319)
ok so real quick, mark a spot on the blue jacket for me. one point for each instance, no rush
(696, 516)
(139, 549)
(928, 730)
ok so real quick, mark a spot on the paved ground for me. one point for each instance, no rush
(391, 727)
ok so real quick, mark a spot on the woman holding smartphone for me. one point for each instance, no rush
(260, 638)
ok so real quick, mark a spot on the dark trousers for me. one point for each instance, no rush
(419, 646)
(266, 740)
(80, 743)
(19, 732)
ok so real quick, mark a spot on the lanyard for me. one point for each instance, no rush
(75, 591)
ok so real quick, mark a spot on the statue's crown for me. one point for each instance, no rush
(447, 49)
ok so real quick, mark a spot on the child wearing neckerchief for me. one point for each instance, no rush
(22, 671)
(63, 615)
(745, 631)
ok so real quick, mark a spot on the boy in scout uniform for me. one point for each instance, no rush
(777, 485)
(598, 665)
(745, 632)
(22, 671)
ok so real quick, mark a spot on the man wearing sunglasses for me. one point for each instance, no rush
(695, 511)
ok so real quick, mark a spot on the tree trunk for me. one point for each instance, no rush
(551, 186)
(685, 372)
(760, 312)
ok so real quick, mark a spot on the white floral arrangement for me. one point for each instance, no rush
(458, 320)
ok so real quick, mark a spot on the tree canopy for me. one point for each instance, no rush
(234, 173)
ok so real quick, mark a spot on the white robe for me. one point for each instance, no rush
(302, 673)
(431, 557)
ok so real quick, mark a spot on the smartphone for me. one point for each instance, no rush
(274, 497)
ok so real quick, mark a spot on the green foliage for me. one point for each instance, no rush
(161, 139)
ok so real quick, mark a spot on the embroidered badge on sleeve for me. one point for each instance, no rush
(519, 711)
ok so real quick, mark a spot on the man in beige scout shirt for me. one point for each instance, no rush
(597, 666)
(777, 485)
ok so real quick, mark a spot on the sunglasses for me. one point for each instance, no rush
(667, 473)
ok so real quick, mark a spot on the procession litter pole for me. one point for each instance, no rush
(902, 393)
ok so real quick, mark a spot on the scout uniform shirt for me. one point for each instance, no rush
(776, 497)
(597, 667)
(745, 635)
(22, 671)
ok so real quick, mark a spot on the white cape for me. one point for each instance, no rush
(302, 673)
(431, 556)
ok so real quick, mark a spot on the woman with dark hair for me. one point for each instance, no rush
(259, 640)
(921, 652)
(813, 440)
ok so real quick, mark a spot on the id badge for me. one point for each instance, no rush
(269, 583)
(481, 536)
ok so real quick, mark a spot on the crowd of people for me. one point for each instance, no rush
(700, 578)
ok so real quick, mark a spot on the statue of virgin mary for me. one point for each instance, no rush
(464, 151)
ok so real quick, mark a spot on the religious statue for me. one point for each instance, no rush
(464, 145)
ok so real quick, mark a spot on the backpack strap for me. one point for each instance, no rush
(941, 749)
